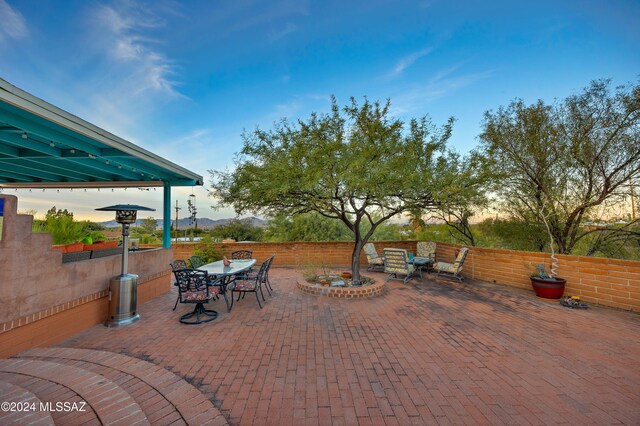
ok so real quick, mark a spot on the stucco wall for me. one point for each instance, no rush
(33, 278)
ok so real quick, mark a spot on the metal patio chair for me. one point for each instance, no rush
(194, 287)
(425, 256)
(453, 269)
(196, 262)
(396, 263)
(176, 265)
(242, 254)
(250, 283)
(375, 262)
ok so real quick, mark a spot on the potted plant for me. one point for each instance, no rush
(547, 286)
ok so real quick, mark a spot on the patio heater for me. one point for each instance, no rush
(123, 289)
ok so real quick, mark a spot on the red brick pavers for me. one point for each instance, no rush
(424, 353)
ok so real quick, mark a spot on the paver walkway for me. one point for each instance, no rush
(424, 353)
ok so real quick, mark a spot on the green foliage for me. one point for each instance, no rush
(148, 225)
(514, 234)
(393, 232)
(61, 226)
(356, 165)
(237, 229)
(306, 227)
(565, 161)
(207, 251)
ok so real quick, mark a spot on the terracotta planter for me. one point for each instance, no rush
(346, 275)
(547, 288)
(325, 283)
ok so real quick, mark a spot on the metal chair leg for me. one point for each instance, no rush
(258, 299)
(261, 292)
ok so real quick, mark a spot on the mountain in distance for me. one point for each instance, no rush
(184, 223)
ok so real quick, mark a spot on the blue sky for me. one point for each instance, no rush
(184, 79)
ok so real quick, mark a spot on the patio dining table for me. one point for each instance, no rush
(237, 266)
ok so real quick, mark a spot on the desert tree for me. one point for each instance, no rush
(355, 164)
(563, 161)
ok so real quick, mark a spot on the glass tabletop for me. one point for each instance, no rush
(237, 266)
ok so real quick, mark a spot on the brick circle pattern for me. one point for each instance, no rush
(367, 291)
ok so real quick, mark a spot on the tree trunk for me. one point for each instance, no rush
(355, 261)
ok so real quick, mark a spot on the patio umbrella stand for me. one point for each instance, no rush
(123, 289)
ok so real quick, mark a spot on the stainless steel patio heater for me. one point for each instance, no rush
(123, 289)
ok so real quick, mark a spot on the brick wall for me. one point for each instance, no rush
(295, 254)
(609, 282)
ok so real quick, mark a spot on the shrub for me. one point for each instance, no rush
(208, 252)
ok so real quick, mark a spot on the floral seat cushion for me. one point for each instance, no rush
(405, 270)
(446, 267)
(196, 296)
(426, 249)
(245, 285)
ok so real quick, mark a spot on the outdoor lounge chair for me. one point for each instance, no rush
(396, 263)
(452, 269)
(375, 262)
(425, 256)
(194, 287)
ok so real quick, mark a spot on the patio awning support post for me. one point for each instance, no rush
(166, 216)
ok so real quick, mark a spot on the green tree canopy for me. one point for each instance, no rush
(309, 226)
(565, 163)
(356, 164)
(148, 225)
(237, 229)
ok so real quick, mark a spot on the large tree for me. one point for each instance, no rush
(355, 164)
(567, 162)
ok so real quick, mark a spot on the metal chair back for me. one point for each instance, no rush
(196, 261)
(242, 254)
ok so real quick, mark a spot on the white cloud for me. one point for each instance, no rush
(13, 23)
(442, 84)
(121, 29)
(409, 60)
(289, 28)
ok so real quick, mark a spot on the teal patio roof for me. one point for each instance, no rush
(42, 146)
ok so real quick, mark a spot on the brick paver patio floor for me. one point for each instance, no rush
(430, 352)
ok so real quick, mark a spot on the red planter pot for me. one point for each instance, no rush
(548, 289)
